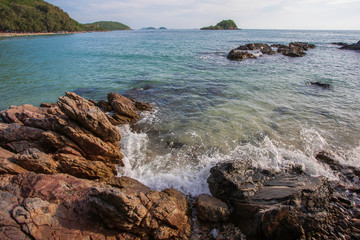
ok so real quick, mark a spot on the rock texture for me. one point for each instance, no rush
(73, 136)
(212, 210)
(38, 206)
(285, 205)
(294, 49)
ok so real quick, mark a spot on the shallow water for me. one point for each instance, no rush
(208, 109)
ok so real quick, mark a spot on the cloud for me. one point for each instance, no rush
(304, 14)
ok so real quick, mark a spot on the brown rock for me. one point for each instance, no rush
(82, 168)
(10, 115)
(128, 185)
(7, 164)
(18, 138)
(210, 209)
(34, 160)
(122, 105)
(118, 119)
(105, 106)
(89, 116)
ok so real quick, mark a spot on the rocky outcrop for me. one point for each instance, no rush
(294, 49)
(270, 205)
(239, 55)
(38, 206)
(73, 136)
(355, 46)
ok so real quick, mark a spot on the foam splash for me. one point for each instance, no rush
(183, 169)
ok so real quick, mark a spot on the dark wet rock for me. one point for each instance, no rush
(291, 51)
(294, 49)
(211, 210)
(104, 105)
(239, 55)
(253, 46)
(355, 46)
(339, 43)
(305, 46)
(270, 205)
(321, 84)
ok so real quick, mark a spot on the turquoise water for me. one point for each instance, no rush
(208, 109)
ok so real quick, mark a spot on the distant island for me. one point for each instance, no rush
(38, 16)
(223, 25)
(153, 28)
(105, 26)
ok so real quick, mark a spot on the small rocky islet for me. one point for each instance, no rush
(294, 49)
(58, 178)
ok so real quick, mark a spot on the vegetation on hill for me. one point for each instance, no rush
(40, 16)
(223, 25)
(105, 26)
(34, 16)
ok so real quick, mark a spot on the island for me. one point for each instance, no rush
(223, 25)
(38, 16)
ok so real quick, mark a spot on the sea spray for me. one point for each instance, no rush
(187, 169)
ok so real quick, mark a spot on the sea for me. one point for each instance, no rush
(207, 109)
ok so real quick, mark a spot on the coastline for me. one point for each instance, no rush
(2, 34)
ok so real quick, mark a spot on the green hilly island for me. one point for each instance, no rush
(40, 16)
(223, 25)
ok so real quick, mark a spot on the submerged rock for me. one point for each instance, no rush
(320, 84)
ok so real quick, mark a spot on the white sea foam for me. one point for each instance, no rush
(184, 169)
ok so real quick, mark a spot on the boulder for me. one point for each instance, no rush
(355, 46)
(321, 84)
(304, 45)
(239, 55)
(270, 205)
(292, 51)
(211, 210)
(87, 115)
(123, 105)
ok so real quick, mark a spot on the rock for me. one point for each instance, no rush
(123, 105)
(239, 55)
(104, 105)
(9, 115)
(355, 46)
(267, 205)
(7, 163)
(118, 119)
(305, 46)
(128, 185)
(86, 114)
(264, 48)
(18, 138)
(253, 46)
(82, 168)
(212, 210)
(292, 51)
(339, 43)
(34, 160)
(38, 206)
(320, 84)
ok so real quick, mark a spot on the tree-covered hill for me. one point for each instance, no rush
(40, 16)
(223, 25)
(105, 26)
(34, 16)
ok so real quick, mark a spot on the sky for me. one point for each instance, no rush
(247, 14)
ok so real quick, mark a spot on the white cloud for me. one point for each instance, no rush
(303, 14)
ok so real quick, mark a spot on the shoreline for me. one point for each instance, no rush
(36, 34)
